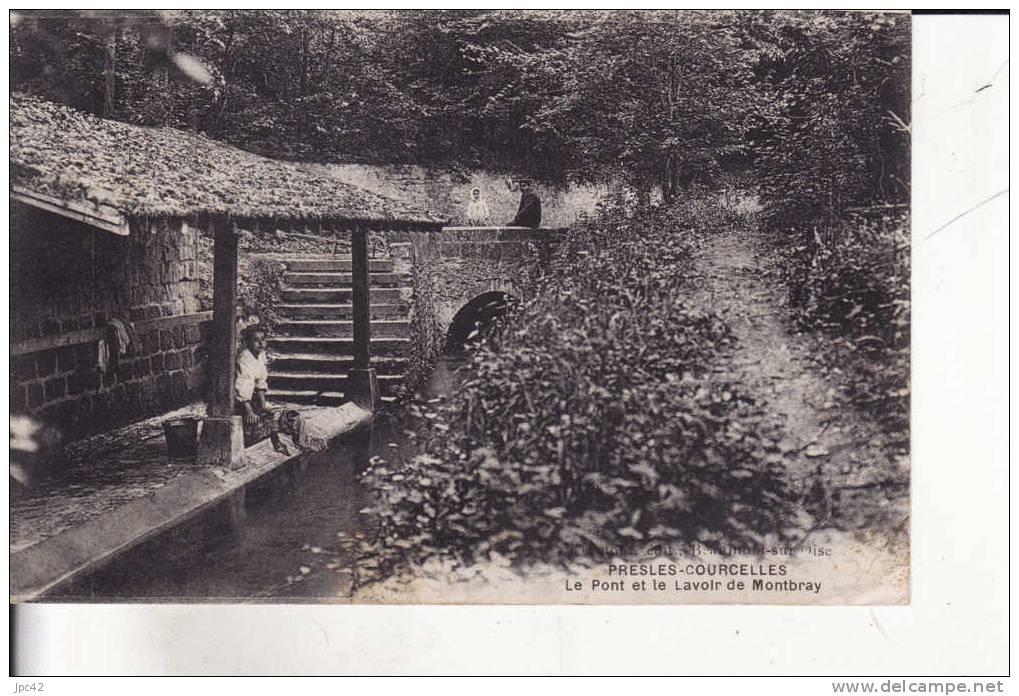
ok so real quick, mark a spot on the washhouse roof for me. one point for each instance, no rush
(139, 171)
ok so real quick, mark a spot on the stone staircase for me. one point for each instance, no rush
(310, 356)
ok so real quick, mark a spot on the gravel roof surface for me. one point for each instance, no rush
(144, 171)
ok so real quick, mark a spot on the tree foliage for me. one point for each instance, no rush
(839, 133)
(814, 103)
(593, 421)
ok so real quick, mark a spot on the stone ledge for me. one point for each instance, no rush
(502, 233)
(57, 559)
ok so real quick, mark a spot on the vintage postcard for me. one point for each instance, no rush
(501, 307)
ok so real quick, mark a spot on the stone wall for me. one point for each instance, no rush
(465, 264)
(67, 277)
(413, 255)
(438, 191)
(451, 268)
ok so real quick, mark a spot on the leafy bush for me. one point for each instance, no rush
(259, 279)
(852, 281)
(591, 421)
(259, 290)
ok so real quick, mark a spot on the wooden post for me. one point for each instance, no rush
(109, 72)
(361, 310)
(222, 440)
(362, 383)
(223, 353)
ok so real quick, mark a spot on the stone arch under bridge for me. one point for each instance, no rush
(457, 268)
(475, 318)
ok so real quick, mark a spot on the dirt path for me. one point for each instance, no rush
(840, 458)
(853, 486)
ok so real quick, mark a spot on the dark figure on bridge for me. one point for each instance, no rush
(529, 212)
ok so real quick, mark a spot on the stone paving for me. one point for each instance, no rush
(96, 475)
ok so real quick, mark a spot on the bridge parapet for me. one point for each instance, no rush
(493, 244)
(457, 268)
(503, 233)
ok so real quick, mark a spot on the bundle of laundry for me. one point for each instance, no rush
(120, 339)
(305, 436)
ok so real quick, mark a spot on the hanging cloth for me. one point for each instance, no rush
(102, 355)
(123, 335)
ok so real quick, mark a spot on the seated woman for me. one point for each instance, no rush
(251, 385)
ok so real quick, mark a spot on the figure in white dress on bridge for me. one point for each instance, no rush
(477, 209)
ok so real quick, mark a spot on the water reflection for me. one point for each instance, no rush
(297, 537)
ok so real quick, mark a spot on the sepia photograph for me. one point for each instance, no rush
(460, 306)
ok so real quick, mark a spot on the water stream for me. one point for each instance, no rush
(295, 541)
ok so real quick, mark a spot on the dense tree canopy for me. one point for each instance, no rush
(625, 399)
(816, 104)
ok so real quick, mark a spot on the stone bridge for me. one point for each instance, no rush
(460, 270)
(428, 291)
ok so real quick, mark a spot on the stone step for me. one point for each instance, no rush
(341, 311)
(299, 278)
(339, 263)
(341, 295)
(381, 328)
(334, 398)
(330, 345)
(308, 381)
(333, 364)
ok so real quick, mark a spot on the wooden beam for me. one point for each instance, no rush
(359, 265)
(145, 326)
(73, 338)
(102, 216)
(221, 444)
(223, 348)
(362, 383)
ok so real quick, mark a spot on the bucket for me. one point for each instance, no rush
(181, 437)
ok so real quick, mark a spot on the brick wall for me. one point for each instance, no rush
(67, 277)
